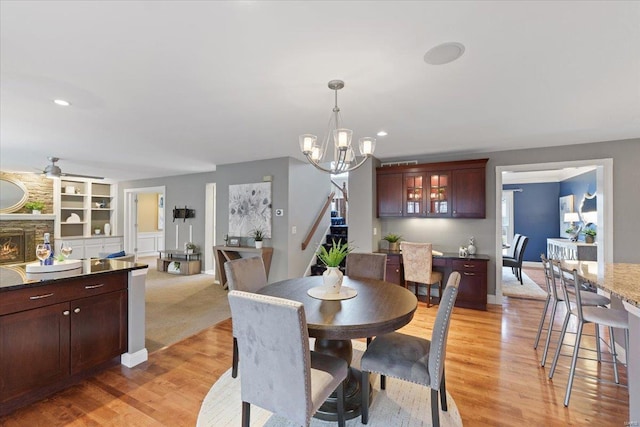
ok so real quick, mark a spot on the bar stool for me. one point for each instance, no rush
(590, 299)
(608, 317)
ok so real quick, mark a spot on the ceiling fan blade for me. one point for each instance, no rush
(80, 176)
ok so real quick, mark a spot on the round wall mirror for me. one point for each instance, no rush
(13, 195)
(589, 209)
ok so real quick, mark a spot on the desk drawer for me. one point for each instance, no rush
(463, 265)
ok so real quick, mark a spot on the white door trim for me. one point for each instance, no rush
(210, 228)
(130, 215)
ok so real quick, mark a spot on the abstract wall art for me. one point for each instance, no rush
(250, 209)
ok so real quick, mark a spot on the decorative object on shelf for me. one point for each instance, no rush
(233, 241)
(70, 189)
(463, 252)
(394, 241)
(107, 229)
(258, 235)
(35, 207)
(97, 231)
(471, 249)
(344, 158)
(73, 218)
(174, 267)
(332, 277)
(183, 213)
(573, 231)
(589, 235)
(226, 239)
(189, 247)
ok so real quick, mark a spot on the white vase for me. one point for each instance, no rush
(259, 244)
(332, 280)
(107, 229)
(471, 249)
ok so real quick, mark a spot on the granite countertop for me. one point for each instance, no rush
(619, 279)
(15, 276)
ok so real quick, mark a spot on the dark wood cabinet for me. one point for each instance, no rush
(53, 335)
(389, 194)
(442, 190)
(394, 273)
(472, 292)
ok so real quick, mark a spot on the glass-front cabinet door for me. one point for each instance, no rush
(439, 194)
(414, 194)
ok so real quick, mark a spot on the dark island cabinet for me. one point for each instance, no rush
(52, 336)
(441, 190)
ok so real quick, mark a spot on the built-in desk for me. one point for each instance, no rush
(228, 253)
(575, 251)
(472, 292)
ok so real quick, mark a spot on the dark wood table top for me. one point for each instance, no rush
(379, 308)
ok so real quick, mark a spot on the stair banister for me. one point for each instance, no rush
(311, 232)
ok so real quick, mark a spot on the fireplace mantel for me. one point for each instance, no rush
(27, 217)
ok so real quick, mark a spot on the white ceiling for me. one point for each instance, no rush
(165, 88)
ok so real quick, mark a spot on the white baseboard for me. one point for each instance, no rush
(532, 264)
(491, 299)
(133, 359)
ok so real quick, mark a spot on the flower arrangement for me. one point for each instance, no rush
(335, 255)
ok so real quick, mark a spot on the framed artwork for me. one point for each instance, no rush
(250, 209)
(160, 211)
(566, 205)
(233, 241)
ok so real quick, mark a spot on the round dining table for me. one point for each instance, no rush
(378, 308)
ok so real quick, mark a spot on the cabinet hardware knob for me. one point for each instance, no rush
(468, 266)
(94, 286)
(468, 274)
(42, 296)
(66, 312)
(76, 310)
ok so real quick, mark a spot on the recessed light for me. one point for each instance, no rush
(382, 133)
(444, 53)
(61, 102)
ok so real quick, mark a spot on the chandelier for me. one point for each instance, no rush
(344, 158)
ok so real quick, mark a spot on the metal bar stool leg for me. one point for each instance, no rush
(544, 316)
(574, 360)
(598, 349)
(548, 340)
(557, 355)
(612, 343)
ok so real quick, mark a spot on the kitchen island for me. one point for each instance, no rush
(620, 280)
(57, 328)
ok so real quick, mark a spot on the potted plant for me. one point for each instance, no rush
(394, 241)
(35, 207)
(332, 258)
(190, 247)
(258, 237)
(589, 235)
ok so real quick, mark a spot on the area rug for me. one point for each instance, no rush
(401, 404)
(180, 306)
(511, 287)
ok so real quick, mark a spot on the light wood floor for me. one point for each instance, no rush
(492, 373)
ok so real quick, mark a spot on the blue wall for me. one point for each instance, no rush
(535, 215)
(536, 211)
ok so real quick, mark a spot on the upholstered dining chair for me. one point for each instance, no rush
(600, 316)
(511, 253)
(417, 259)
(279, 373)
(554, 297)
(244, 274)
(516, 263)
(367, 265)
(413, 359)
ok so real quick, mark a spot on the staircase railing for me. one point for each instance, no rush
(311, 232)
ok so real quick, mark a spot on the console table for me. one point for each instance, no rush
(472, 291)
(189, 262)
(228, 253)
(574, 251)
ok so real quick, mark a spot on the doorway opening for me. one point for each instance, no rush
(144, 217)
(604, 183)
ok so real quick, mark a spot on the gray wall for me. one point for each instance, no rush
(362, 208)
(181, 190)
(449, 234)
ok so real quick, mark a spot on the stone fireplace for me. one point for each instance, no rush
(13, 247)
(19, 235)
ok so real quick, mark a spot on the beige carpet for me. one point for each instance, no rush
(180, 306)
(401, 404)
(511, 287)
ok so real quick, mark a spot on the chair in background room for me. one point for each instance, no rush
(516, 263)
(413, 359)
(248, 275)
(367, 265)
(279, 373)
(554, 297)
(417, 259)
(603, 316)
(511, 253)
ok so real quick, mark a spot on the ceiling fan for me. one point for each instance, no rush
(54, 171)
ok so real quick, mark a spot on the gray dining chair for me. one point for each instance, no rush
(279, 373)
(417, 259)
(244, 274)
(367, 265)
(413, 359)
(599, 316)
